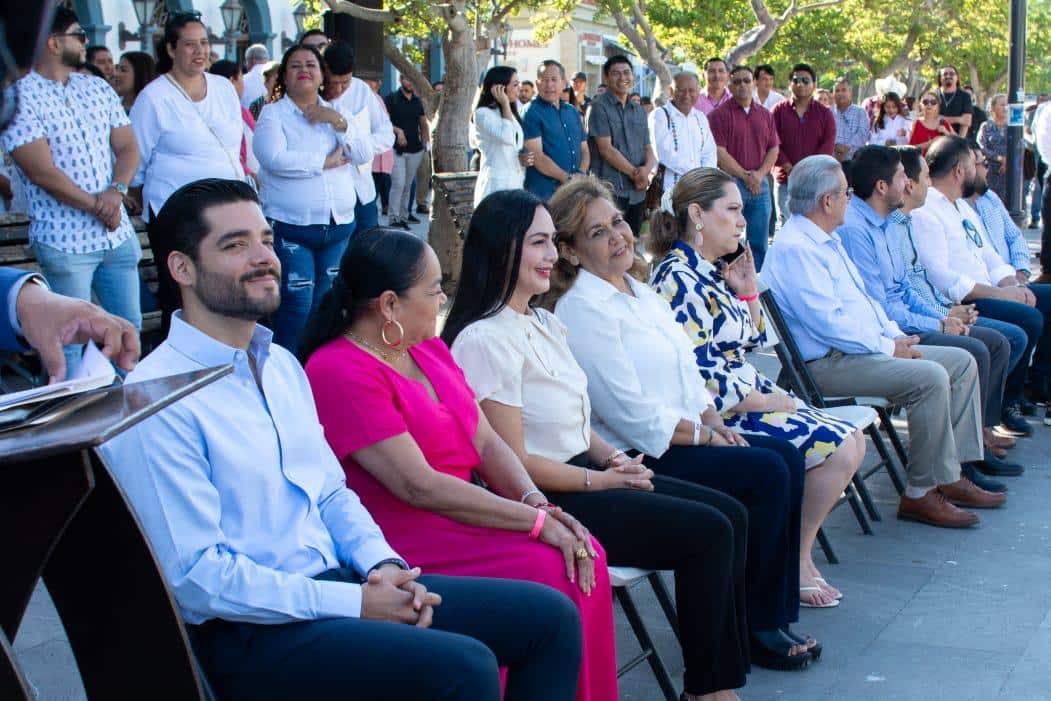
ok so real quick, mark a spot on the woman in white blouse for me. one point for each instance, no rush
(647, 396)
(188, 126)
(306, 150)
(496, 131)
(534, 393)
(890, 127)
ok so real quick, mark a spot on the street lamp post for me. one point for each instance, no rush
(231, 13)
(1016, 110)
(300, 15)
(144, 10)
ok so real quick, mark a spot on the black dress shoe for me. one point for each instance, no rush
(1013, 421)
(1027, 407)
(414, 219)
(995, 467)
(970, 472)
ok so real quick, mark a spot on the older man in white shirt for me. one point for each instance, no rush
(967, 268)
(852, 348)
(353, 96)
(256, 58)
(680, 133)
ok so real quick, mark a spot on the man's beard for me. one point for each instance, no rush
(71, 57)
(980, 187)
(969, 188)
(225, 298)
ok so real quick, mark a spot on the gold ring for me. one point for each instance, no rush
(582, 553)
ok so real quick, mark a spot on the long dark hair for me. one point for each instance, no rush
(889, 97)
(497, 75)
(279, 86)
(492, 253)
(144, 69)
(172, 29)
(379, 259)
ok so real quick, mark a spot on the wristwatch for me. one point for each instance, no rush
(119, 187)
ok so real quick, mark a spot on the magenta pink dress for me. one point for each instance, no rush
(362, 401)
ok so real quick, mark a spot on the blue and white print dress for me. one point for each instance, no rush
(722, 331)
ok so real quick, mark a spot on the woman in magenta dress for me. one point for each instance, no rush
(401, 418)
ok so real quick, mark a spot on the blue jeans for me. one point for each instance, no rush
(309, 258)
(1032, 320)
(112, 275)
(757, 215)
(366, 215)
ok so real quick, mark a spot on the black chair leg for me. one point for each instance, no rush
(665, 600)
(826, 547)
(862, 491)
(892, 434)
(649, 650)
(889, 461)
(859, 513)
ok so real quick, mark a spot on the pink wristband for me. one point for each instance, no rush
(748, 298)
(538, 525)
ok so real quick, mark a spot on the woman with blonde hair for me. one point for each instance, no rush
(708, 278)
(648, 398)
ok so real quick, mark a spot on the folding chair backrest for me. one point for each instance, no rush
(794, 371)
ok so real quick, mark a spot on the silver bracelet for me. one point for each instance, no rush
(529, 493)
(696, 433)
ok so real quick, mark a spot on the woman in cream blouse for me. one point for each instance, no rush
(647, 396)
(496, 131)
(534, 394)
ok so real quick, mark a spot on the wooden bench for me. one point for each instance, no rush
(16, 252)
(453, 207)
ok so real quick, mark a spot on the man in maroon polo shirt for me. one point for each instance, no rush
(805, 127)
(747, 149)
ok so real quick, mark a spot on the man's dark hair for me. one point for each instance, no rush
(612, 61)
(805, 68)
(743, 69)
(526, 82)
(870, 165)
(714, 59)
(313, 33)
(64, 19)
(765, 68)
(647, 100)
(437, 84)
(945, 154)
(89, 53)
(911, 160)
(339, 57)
(547, 63)
(181, 221)
(226, 68)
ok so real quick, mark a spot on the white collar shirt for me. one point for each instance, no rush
(255, 85)
(955, 253)
(181, 141)
(77, 120)
(498, 141)
(682, 142)
(238, 491)
(357, 99)
(295, 186)
(524, 361)
(642, 377)
(896, 129)
(1042, 131)
(771, 100)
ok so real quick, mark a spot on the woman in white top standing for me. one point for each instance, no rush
(188, 125)
(891, 127)
(647, 397)
(306, 151)
(496, 131)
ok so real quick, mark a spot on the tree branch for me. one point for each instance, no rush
(816, 5)
(367, 14)
(409, 70)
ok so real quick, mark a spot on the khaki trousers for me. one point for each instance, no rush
(941, 399)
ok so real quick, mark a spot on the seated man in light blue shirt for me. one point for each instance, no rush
(879, 182)
(286, 583)
(1002, 232)
(852, 348)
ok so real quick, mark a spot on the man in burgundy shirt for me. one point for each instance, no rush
(747, 149)
(805, 128)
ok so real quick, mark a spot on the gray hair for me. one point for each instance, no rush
(810, 179)
(257, 53)
(686, 74)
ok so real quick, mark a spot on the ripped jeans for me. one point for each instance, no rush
(309, 258)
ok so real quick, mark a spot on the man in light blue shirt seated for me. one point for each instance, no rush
(1000, 229)
(853, 349)
(878, 178)
(285, 581)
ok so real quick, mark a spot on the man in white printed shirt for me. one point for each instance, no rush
(75, 148)
(680, 133)
(353, 96)
(966, 268)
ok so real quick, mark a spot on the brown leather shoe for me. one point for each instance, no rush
(993, 439)
(964, 492)
(934, 510)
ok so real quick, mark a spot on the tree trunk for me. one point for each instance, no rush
(757, 37)
(640, 36)
(461, 72)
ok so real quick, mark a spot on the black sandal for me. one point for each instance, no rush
(770, 650)
(813, 646)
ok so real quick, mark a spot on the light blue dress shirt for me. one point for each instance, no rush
(239, 493)
(867, 238)
(1003, 233)
(900, 225)
(822, 296)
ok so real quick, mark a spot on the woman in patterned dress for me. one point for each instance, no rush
(718, 305)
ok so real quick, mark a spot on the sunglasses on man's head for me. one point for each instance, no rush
(80, 35)
(801, 80)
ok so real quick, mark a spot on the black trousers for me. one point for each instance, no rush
(992, 353)
(481, 624)
(699, 533)
(767, 478)
(633, 214)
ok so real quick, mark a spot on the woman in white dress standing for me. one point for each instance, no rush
(496, 131)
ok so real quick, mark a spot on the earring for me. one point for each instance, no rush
(699, 226)
(383, 333)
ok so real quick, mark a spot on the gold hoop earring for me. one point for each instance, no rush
(383, 333)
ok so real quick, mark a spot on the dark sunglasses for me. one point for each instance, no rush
(184, 14)
(79, 35)
(801, 80)
(929, 101)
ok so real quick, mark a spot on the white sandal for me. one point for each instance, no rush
(806, 604)
(837, 597)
